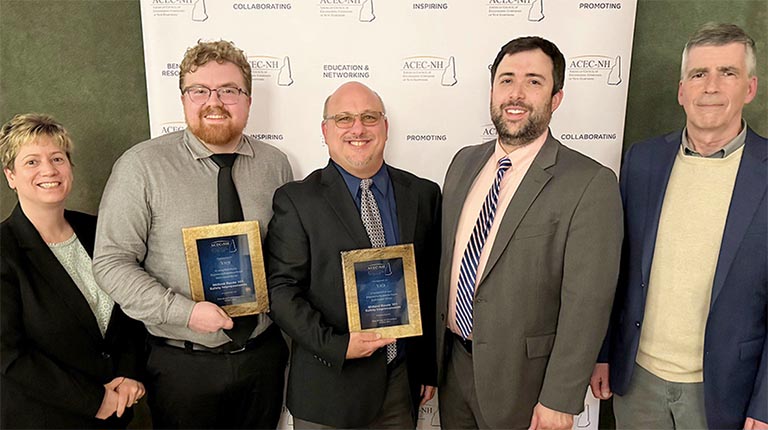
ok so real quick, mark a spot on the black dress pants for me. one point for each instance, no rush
(204, 390)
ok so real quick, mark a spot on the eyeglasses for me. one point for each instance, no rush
(200, 94)
(347, 120)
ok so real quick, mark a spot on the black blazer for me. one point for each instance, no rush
(53, 359)
(314, 220)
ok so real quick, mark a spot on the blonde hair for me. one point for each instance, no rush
(219, 51)
(23, 129)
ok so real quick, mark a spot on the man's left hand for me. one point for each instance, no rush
(427, 392)
(546, 419)
(753, 424)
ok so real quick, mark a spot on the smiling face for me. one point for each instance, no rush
(219, 126)
(359, 149)
(714, 89)
(41, 174)
(521, 98)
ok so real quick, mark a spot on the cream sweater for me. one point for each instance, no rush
(687, 247)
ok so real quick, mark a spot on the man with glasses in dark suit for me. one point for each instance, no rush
(338, 378)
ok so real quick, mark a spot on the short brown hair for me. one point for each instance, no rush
(532, 43)
(23, 129)
(219, 51)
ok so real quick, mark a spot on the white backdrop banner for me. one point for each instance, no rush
(429, 61)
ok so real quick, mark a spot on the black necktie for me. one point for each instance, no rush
(229, 203)
(230, 210)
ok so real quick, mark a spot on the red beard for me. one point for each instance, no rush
(216, 135)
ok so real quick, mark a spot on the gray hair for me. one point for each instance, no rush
(714, 34)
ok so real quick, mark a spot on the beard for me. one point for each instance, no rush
(216, 135)
(535, 126)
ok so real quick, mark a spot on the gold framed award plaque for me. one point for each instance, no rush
(226, 266)
(381, 291)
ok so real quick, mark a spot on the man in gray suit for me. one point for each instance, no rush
(532, 234)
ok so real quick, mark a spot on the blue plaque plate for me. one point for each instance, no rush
(226, 266)
(381, 291)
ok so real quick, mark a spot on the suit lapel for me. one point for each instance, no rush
(659, 170)
(343, 205)
(57, 279)
(86, 234)
(748, 191)
(407, 205)
(530, 187)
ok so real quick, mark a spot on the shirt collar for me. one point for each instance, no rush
(725, 151)
(380, 179)
(199, 150)
(522, 153)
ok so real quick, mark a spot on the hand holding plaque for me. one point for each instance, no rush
(381, 291)
(226, 266)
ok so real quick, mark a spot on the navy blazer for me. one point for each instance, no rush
(53, 358)
(735, 348)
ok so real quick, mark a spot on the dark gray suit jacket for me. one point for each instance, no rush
(542, 305)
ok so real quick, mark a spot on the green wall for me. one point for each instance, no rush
(661, 29)
(82, 61)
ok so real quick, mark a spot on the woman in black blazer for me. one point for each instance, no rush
(69, 357)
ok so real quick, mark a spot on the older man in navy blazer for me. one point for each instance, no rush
(687, 346)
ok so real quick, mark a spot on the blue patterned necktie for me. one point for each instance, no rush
(469, 261)
(369, 212)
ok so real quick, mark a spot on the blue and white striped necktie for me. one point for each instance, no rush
(471, 258)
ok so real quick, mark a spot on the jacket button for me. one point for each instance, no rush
(642, 285)
(637, 323)
(442, 317)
